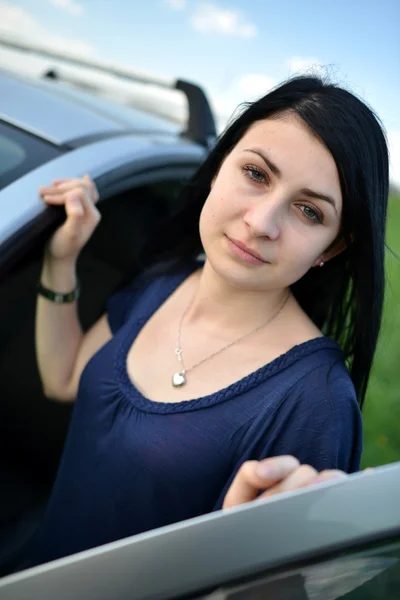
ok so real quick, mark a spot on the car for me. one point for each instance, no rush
(139, 162)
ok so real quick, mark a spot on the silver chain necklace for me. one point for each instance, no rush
(179, 378)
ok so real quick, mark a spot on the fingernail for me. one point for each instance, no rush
(270, 470)
(264, 471)
(322, 478)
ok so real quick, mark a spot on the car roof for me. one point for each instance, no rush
(58, 114)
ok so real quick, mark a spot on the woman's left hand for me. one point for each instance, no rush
(273, 476)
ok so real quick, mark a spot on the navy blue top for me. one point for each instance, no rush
(131, 464)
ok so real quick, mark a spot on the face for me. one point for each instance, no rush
(274, 208)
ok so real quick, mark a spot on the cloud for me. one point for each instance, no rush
(246, 88)
(176, 4)
(297, 64)
(209, 18)
(254, 85)
(14, 20)
(70, 6)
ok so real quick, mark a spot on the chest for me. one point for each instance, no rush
(212, 363)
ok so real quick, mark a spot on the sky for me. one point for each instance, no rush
(236, 49)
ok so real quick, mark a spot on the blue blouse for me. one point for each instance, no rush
(131, 464)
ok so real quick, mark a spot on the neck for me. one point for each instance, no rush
(217, 303)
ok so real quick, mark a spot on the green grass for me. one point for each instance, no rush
(382, 405)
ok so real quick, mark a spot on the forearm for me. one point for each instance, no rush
(58, 331)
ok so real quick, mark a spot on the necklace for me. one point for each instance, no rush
(179, 378)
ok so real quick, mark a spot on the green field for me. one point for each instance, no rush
(382, 405)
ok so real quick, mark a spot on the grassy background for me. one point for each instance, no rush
(382, 405)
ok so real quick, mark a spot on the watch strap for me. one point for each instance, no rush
(56, 296)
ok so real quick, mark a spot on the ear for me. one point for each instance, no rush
(334, 250)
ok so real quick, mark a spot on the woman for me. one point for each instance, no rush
(197, 368)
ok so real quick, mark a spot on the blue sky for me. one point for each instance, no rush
(235, 48)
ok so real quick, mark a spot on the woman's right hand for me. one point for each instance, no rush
(79, 197)
(271, 476)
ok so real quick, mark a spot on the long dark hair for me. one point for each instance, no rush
(345, 298)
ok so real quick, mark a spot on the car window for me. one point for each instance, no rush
(370, 574)
(12, 154)
(20, 152)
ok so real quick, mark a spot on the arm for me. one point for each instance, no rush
(320, 422)
(62, 348)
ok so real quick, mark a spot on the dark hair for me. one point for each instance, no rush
(345, 298)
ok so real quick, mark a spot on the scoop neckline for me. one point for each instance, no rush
(129, 390)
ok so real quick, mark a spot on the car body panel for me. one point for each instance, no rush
(20, 203)
(213, 550)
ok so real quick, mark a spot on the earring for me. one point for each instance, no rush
(321, 264)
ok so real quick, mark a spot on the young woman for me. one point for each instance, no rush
(200, 366)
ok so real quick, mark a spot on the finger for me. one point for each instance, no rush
(56, 182)
(92, 187)
(61, 180)
(254, 476)
(75, 214)
(299, 478)
(91, 211)
(53, 199)
(60, 188)
(327, 475)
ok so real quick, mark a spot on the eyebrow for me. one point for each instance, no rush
(267, 161)
(276, 171)
(319, 196)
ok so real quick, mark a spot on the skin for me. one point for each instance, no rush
(269, 212)
(273, 476)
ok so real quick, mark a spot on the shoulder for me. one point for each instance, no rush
(145, 292)
(319, 419)
(324, 405)
(324, 381)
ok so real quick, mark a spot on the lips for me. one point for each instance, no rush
(245, 248)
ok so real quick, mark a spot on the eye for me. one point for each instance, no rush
(255, 174)
(311, 213)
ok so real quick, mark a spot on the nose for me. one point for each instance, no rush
(265, 218)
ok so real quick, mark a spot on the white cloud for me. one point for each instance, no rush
(210, 18)
(254, 85)
(14, 20)
(297, 64)
(246, 88)
(70, 6)
(176, 4)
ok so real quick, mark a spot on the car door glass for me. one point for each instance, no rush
(371, 574)
(12, 154)
(21, 152)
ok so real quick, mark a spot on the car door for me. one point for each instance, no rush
(337, 540)
(139, 180)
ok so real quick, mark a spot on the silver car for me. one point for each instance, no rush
(339, 540)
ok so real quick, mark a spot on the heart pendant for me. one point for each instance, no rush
(178, 379)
